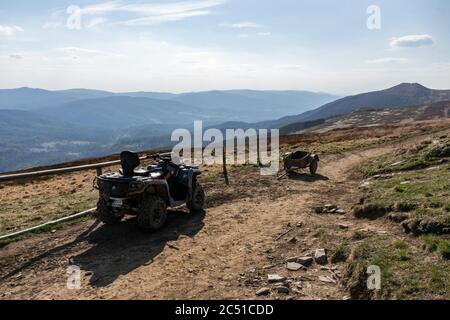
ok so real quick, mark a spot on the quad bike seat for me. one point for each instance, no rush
(129, 161)
(130, 167)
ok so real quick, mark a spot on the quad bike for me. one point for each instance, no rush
(300, 160)
(147, 193)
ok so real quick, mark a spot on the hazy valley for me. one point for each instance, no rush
(40, 127)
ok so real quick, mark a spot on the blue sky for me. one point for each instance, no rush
(197, 45)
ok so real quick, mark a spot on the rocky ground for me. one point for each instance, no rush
(259, 238)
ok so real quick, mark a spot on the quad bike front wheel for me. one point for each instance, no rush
(105, 214)
(152, 214)
(197, 202)
(313, 166)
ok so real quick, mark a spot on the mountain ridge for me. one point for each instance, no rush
(92, 123)
(402, 95)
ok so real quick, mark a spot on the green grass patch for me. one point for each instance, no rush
(426, 154)
(436, 243)
(338, 249)
(405, 274)
(45, 229)
(419, 199)
(15, 216)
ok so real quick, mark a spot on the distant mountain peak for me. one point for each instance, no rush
(402, 95)
(410, 86)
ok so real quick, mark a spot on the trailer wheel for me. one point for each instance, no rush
(152, 214)
(197, 202)
(105, 214)
(313, 166)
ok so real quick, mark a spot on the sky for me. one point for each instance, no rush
(341, 47)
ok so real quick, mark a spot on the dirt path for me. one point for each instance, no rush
(226, 253)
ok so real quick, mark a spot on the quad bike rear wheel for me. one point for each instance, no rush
(105, 214)
(152, 214)
(197, 202)
(313, 166)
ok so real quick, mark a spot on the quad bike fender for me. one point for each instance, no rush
(192, 175)
(160, 188)
(315, 157)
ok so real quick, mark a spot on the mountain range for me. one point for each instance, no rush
(108, 109)
(39, 127)
(402, 95)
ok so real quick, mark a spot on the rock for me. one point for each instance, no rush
(263, 292)
(273, 278)
(365, 185)
(320, 256)
(292, 259)
(305, 278)
(293, 240)
(305, 261)
(281, 289)
(343, 226)
(326, 279)
(294, 266)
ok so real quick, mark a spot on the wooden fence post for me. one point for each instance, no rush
(224, 163)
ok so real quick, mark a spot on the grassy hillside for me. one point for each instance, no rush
(410, 187)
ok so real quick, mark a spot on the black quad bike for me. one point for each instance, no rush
(147, 193)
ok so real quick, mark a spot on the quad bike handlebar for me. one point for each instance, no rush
(163, 156)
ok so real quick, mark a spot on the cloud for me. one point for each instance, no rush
(74, 50)
(16, 56)
(264, 34)
(138, 14)
(412, 41)
(151, 8)
(388, 60)
(154, 13)
(9, 31)
(53, 25)
(291, 66)
(83, 52)
(95, 22)
(242, 25)
(157, 20)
